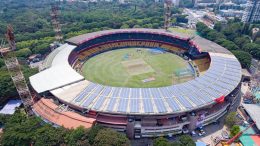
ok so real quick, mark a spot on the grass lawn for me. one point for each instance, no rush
(182, 30)
(129, 67)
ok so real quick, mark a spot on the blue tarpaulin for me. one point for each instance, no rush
(199, 143)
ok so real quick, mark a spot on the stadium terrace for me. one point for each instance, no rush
(65, 98)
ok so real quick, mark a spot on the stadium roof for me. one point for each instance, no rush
(222, 77)
(59, 74)
(219, 80)
(201, 43)
(77, 40)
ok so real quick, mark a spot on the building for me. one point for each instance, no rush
(231, 13)
(65, 98)
(252, 11)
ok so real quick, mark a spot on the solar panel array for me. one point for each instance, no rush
(219, 80)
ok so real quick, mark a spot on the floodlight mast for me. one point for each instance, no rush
(167, 14)
(15, 71)
(55, 22)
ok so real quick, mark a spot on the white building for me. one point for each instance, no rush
(252, 11)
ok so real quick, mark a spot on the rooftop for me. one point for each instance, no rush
(253, 111)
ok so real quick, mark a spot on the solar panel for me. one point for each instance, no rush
(160, 105)
(164, 91)
(89, 100)
(116, 92)
(134, 105)
(89, 88)
(148, 107)
(193, 96)
(145, 93)
(106, 91)
(111, 104)
(135, 93)
(98, 89)
(173, 104)
(181, 99)
(123, 104)
(125, 92)
(155, 92)
(99, 102)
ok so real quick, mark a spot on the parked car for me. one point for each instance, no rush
(193, 133)
(247, 101)
(201, 132)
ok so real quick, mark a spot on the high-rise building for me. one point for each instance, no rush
(252, 11)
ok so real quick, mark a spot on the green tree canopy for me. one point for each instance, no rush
(2, 63)
(230, 119)
(79, 136)
(26, 52)
(161, 141)
(7, 87)
(186, 140)
(218, 26)
(244, 58)
(241, 41)
(234, 130)
(21, 130)
(109, 137)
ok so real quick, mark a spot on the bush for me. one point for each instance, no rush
(234, 130)
(109, 137)
(160, 141)
(230, 119)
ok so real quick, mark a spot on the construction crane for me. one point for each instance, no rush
(230, 141)
(15, 71)
(167, 14)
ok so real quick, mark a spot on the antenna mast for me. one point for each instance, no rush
(167, 14)
(15, 71)
(55, 22)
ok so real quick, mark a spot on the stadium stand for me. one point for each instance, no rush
(202, 64)
(140, 112)
(45, 108)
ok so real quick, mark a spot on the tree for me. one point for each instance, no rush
(19, 130)
(79, 137)
(93, 133)
(22, 130)
(234, 130)
(244, 58)
(253, 49)
(241, 41)
(160, 141)
(181, 19)
(48, 135)
(109, 137)
(230, 119)
(218, 26)
(175, 143)
(41, 49)
(26, 52)
(186, 140)
(7, 87)
(2, 63)
(124, 26)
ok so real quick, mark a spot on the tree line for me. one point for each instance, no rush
(22, 130)
(235, 37)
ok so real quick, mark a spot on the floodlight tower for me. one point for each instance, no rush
(14, 70)
(167, 14)
(55, 22)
